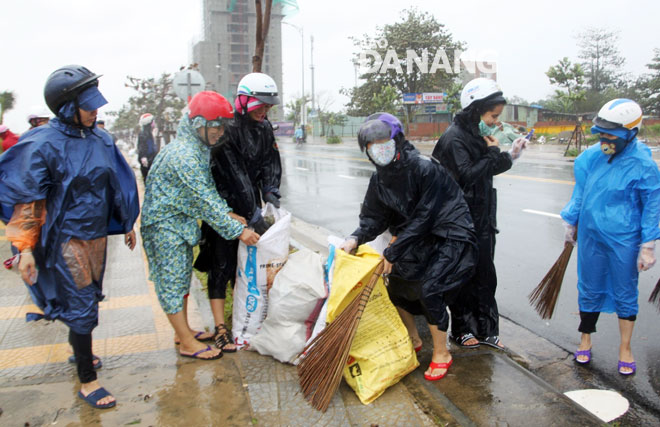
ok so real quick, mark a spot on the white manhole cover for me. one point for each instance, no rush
(605, 404)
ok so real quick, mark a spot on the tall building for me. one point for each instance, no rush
(224, 55)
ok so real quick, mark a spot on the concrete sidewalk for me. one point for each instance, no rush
(154, 386)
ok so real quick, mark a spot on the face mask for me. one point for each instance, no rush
(611, 146)
(484, 129)
(382, 154)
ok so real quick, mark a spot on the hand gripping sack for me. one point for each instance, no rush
(257, 267)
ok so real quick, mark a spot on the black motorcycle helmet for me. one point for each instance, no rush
(66, 83)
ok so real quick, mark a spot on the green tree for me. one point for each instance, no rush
(647, 87)
(152, 96)
(292, 110)
(600, 56)
(7, 100)
(417, 32)
(569, 77)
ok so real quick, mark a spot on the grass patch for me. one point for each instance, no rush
(573, 152)
(333, 139)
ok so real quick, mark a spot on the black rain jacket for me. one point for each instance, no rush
(473, 164)
(256, 143)
(421, 204)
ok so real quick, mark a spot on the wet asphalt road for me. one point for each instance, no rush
(325, 185)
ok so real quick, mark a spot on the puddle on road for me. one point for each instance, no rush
(191, 393)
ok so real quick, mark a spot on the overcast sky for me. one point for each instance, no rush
(145, 38)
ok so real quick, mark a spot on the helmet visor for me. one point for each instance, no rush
(267, 97)
(606, 124)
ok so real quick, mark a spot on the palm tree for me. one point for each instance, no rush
(6, 103)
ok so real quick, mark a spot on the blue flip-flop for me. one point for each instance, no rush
(582, 353)
(196, 354)
(99, 365)
(631, 365)
(95, 396)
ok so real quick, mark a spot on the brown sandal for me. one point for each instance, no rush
(223, 339)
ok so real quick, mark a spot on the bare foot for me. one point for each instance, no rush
(87, 388)
(188, 349)
(199, 335)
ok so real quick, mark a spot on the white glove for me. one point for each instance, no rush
(144, 162)
(518, 145)
(569, 235)
(349, 244)
(646, 257)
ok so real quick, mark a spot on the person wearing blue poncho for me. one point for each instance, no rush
(615, 209)
(63, 189)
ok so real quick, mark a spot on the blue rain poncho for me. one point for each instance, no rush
(616, 208)
(90, 192)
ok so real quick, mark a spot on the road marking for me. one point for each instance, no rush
(17, 312)
(533, 178)
(301, 169)
(532, 211)
(346, 176)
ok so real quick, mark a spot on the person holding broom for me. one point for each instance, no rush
(615, 208)
(435, 252)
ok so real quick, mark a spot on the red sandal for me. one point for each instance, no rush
(435, 365)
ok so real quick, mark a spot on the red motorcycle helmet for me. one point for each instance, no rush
(210, 105)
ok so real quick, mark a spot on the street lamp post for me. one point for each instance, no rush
(303, 107)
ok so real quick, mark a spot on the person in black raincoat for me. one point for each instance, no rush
(69, 188)
(146, 146)
(434, 251)
(246, 168)
(473, 157)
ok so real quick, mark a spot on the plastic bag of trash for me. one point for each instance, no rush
(382, 352)
(297, 289)
(257, 267)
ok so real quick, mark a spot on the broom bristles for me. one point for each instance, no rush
(544, 296)
(653, 299)
(323, 359)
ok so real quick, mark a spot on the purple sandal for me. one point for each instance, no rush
(630, 365)
(582, 353)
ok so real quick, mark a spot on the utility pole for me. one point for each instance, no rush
(312, 67)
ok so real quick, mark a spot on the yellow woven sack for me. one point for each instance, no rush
(382, 352)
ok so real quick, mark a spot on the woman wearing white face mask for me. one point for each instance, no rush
(434, 251)
(472, 155)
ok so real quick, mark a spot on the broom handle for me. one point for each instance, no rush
(366, 292)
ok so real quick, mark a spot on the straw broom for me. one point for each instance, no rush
(654, 296)
(545, 295)
(323, 359)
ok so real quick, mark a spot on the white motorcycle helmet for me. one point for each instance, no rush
(476, 89)
(260, 86)
(619, 113)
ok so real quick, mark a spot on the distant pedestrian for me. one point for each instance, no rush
(179, 192)
(39, 118)
(9, 138)
(100, 123)
(146, 146)
(473, 157)
(615, 208)
(434, 250)
(69, 188)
